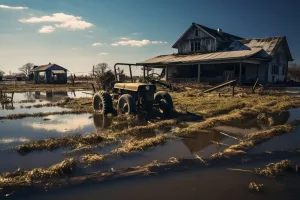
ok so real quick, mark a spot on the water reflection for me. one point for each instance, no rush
(62, 124)
(101, 122)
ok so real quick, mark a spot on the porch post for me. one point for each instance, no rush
(240, 74)
(199, 72)
(167, 73)
(257, 69)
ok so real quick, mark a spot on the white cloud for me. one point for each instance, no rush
(61, 20)
(133, 43)
(46, 29)
(125, 38)
(13, 8)
(159, 42)
(102, 54)
(89, 36)
(97, 44)
(137, 33)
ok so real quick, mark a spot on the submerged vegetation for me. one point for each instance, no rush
(277, 169)
(63, 168)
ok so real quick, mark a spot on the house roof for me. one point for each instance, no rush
(200, 57)
(225, 37)
(263, 48)
(48, 67)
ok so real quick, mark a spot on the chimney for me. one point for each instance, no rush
(220, 31)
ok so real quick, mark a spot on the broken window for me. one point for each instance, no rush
(275, 69)
(197, 46)
(192, 47)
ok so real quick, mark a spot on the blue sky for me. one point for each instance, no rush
(79, 33)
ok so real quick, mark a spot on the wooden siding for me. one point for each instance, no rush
(279, 61)
(207, 42)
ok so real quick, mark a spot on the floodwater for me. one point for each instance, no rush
(23, 102)
(191, 184)
(283, 142)
(210, 183)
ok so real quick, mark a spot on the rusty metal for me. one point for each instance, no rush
(130, 86)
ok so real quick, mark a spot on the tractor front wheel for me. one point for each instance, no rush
(126, 104)
(102, 102)
(164, 102)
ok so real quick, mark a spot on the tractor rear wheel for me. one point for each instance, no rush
(165, 102)
(126, 104)
(102, 102)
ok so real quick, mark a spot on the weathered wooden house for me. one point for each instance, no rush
(50, 74)
(209, 55)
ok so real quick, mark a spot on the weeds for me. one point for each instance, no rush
(255, 187)
(93, 158)
(148, 128)
(137, 145)
(65, 167)
(277, 169)
(74, 141)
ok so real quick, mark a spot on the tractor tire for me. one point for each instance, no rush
(102, 102)
(165, 102)
(126, 104)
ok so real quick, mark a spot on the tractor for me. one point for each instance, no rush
(131, 97)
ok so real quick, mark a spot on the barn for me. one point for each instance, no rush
(213, 56)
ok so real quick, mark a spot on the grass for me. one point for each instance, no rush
(148, 128)
(254, 106)
(66, 167)
(277, 169)
(74, 141)
(92, 158)
(256, 138)
(138, 145)
(28, 87)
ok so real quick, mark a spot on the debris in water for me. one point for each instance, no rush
(277, 169)
(255, 187)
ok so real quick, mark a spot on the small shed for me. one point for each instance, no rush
(50, 74)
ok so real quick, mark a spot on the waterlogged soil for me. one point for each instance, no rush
(24, 102)
(16, 131)
(211, 183)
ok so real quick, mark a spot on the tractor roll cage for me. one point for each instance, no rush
(129, 65)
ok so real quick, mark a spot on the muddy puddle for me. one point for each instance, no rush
(25, 102)
(16, 131)
(195, 184)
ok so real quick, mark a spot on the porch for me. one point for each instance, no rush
(245, 72)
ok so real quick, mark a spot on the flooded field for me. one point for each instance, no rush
(34, 146)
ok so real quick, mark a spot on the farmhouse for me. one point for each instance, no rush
(50, 73)
(209, 55)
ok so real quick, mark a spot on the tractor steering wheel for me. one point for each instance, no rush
(154, 76)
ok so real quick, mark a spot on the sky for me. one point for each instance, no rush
(78, 34)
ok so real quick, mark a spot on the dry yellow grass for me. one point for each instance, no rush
(137, 145)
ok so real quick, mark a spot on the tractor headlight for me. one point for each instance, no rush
(147, 87)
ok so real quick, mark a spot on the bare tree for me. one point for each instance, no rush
(294, 72)
(26, 69)
(1, 73)
(103, 76)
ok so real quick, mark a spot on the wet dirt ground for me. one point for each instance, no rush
(187, 185)
(212, 183)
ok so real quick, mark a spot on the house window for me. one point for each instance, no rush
(197, 46)
(196, 33)
(192, 47)
(275, 69)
